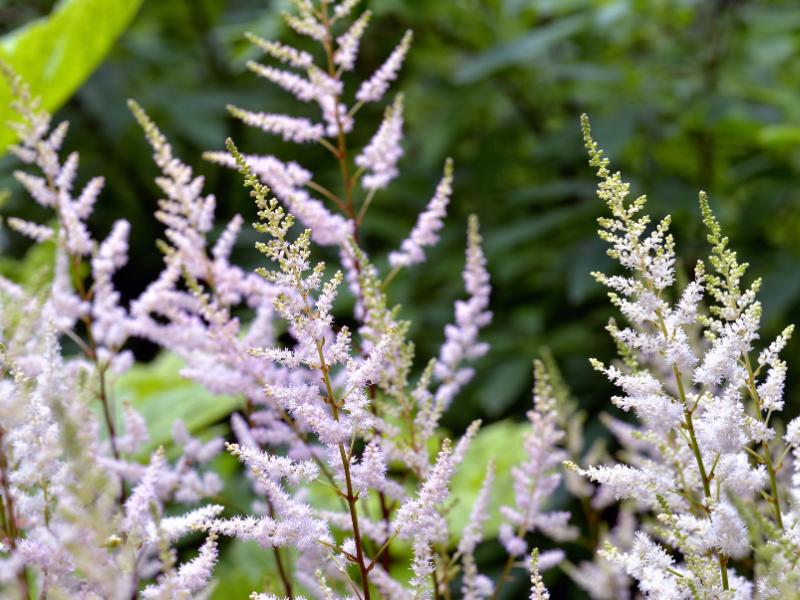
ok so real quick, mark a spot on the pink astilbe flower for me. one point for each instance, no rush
(379, 157)
(291, 129)
(474, 585)
(286, 54)
(110, 326)
(375, 87)
(537, 478)
(287, 181)
(321, 403)
(348, 43)
(461, 343)
(426, 231)
(38, 233)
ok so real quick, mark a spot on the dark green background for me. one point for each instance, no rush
(683, 95)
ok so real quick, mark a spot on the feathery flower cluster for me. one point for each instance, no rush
(701, 467)
(77, 505)
(339, 434)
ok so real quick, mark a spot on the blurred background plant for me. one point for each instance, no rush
(683, 94)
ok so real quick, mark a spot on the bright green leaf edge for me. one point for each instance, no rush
(159, 393)
(57, 53)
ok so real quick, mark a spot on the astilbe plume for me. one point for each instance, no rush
(78, 502)
(321, 410)
(701, 468)
(345, 403)
(77, 505)
(340, 434)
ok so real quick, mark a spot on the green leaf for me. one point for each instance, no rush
(242, 570)
(57, 53)
(159, 393)
(502, 441)
(780, 136)
(526, 49)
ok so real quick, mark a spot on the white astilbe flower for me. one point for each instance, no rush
(379, 158)
(375, 87)
(720, 426)
(347, 52)
(295, 525)
(690, 454)
(728, 532)
(646, 396)
(343, 8)
(538, 590)
(190, 579)
(461, 338)
(721, 361)
(38, 233)
(291, 129)
(792, 435)
(771, 390)
(623, 480)
(769, 354)
(275, 468)
(173, 528)
(426, 230)
(652, 567)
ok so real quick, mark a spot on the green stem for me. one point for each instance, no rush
(688, 423)
(350, 497)
(773, 480)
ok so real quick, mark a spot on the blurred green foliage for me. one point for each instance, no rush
(683, 94)
(55, 54)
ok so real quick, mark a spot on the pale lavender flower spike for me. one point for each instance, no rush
(338, 427)
(375, 87)
(461, 338)
(379, 157)
(426, 231)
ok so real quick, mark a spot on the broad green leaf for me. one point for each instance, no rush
(159, 393)
(502, 441)
(57, 53)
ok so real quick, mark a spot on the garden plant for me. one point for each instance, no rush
(330, 459)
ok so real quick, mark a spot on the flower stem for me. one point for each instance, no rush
(350, 497)
(688, 423)
(773, 482)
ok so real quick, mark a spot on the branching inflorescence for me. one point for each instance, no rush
(339, 430)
